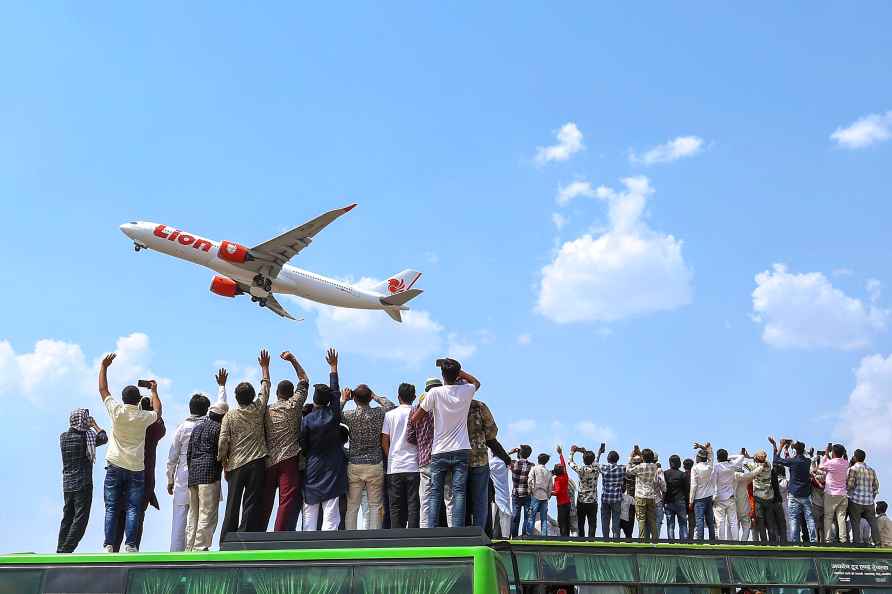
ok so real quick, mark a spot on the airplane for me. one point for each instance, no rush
(262, 271)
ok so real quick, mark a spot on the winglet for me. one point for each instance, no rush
(349, 208)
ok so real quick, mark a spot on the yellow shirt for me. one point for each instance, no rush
(127, 443)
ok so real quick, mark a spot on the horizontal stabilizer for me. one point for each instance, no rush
(395, 314)
(401, 298)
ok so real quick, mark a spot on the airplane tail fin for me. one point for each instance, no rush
(397, 283)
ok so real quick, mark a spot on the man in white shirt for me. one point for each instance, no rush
(125, 456)
(724, 505)
(402, 462)
(451, 447)
(703, 490)
(178, 470)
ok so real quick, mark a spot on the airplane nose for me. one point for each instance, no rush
(129, 229)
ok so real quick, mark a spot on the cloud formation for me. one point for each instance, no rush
(865, 131)
(806, 311)
(867, 416)
(581, 188)
(569, 142)
(677, 148)
(630, 270)
(56, 367)
(371, 333)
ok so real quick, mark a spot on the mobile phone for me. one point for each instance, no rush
(144, 384)
(821, 453)
(440, 362)
(603, 445)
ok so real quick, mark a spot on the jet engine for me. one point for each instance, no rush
(225, 286)
(233, 252)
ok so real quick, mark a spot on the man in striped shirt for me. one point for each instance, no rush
(613, 477)
(520, 494)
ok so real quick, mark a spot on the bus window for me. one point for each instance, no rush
(665, 569)
(21, 581)
(527, 566)
(286, 580)
(451, 578)
(182, 581)
(770, 570)
(580, 567)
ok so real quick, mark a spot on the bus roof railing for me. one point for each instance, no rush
(353, 539)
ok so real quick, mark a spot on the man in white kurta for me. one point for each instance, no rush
(178, 470)
(501, 480)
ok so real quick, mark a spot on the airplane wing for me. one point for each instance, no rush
(273, 305)
(270, 256)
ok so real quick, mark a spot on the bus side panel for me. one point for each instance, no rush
(86, 580)
(485, 578)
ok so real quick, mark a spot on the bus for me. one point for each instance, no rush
(564, 566)
(435, 561)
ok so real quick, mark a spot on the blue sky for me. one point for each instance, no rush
(640, 319)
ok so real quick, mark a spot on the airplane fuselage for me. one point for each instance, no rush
(222, 256)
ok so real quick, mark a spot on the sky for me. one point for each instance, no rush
(651, 224)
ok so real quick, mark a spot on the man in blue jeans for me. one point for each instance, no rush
(703, 490)
(124, 475)
(520, 494)
(451, 449)
(799, 488)
(482, 430)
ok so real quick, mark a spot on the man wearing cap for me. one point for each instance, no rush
(451, 449)
(204, 472)
(125, 471)
(421, 433)
(78, 446)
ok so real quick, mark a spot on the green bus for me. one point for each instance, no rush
(440, 561)
(577, 567)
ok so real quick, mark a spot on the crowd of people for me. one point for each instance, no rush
(433, 461)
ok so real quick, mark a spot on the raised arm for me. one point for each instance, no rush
(265, 383)
(221, 378)
(156, 400)
(331, 357)
(384, 402)
(101, 435)
(298, 370)
(103, 375)
(470, 379)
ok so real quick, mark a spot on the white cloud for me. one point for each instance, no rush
(569, 142)
(594, 431)
(629, 270)
(865, 131)
(524, 339)
(867, 415)
(372, 333)
(521, 426)
(874, 289)
(843, 272)
(677, 148)
(581, 188)
(56, 368)
(559, 220)
(807, 311)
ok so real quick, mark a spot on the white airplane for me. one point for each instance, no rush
(262, 270)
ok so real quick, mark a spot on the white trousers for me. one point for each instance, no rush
(743, 516)
(725, 519)
(331, 515)
(178, 527)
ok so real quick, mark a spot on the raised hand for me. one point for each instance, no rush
(287, 356)
(346, 394)
(222, 376)
(107, 360)
(264, 358)
(573, 449)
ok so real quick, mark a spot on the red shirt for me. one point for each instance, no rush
(561, 488)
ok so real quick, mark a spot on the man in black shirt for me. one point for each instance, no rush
(78, 446)
(688, 465)
(678, 488)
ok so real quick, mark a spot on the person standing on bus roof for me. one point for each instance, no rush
(884, 524)
(561, 492)
(125, 473)
(178, 470)
(283, 420)
(702, 491)
(242, 450)
(322, 439)
(863, 489)
(365, 466)
(742, 481)
(587, 497)
(78, 446)
(520, 492)
(724, 506)
(449, 405)
(541, 485)
(675, 501)
(613, 503)
(643, 466)
(402, 462)
(798, 488)
(836, 500)
(482, 430)
(421, 433)
(204, 472)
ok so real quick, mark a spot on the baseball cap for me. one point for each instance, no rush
(432, 382)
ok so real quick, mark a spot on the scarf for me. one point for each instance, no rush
(80, 421)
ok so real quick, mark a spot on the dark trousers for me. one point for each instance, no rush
(402, 492)
(627, 526)
(285, 478)
(520, 504)
(75, 516)
(769, 523)
(868, 512)
(586, 512)
(245, 494)
(564, 519)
